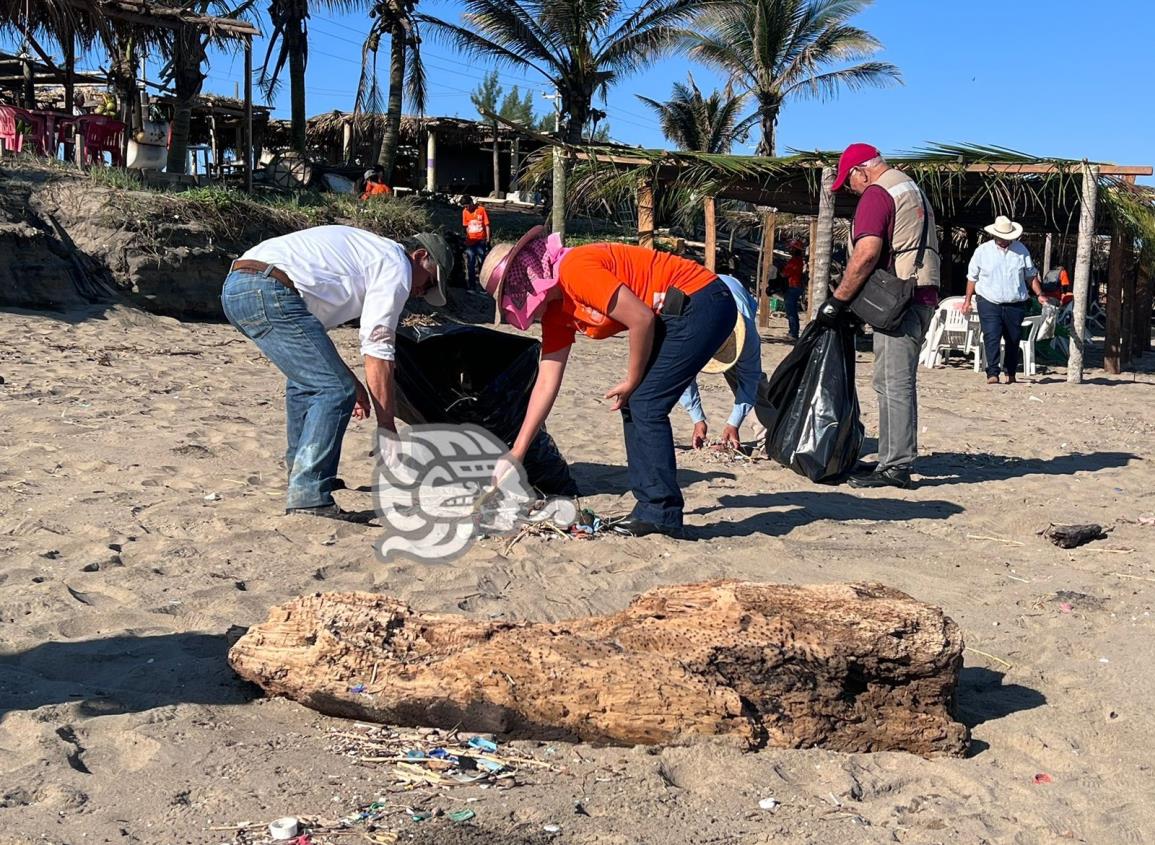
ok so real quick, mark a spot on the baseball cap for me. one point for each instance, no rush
(442, 256)
(852, 157)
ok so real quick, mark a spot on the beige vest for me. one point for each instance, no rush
(908, 215)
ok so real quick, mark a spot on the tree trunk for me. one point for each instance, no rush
(769, 117)
(295, 35)
(496, 164)
(764, 664)
(392, 134)
(820, 272)
(1082, 281)
(188, 58)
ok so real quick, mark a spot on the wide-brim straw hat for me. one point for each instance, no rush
(730, 350)
(495, 269)
(1004, 229)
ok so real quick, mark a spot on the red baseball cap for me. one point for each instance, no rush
(852, 157)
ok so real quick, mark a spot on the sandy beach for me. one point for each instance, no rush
(142, 529)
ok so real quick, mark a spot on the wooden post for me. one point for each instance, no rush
(946, 255)
(1113, 339)
(1141, 337)
(214, 145)
(711, 235)
(820, 272)
(347, 140)
(1047, 256)
(645, 214)
(812, 255)
(68, 37)
(431, 161)
(514, 164)
(1082, 279)
(1130, 289)
(248, 118)
(769, 228)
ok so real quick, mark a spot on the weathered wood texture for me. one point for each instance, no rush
(846, 667)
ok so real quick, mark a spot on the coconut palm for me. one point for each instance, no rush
(394, 19)
(581, 47)
(289, 44)
(701, 124)
(782, 49)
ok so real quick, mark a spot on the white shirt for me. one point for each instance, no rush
(343, 273)
(1001, 275)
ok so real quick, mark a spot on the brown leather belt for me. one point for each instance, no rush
(261, 267)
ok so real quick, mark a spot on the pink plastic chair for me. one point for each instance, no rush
(13, 140)
(100, 134)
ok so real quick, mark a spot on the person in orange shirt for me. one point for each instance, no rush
(475, 221)
(794, 271)
(677, 314)
(375, 184)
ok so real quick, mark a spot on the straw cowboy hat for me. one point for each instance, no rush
(507, 271)
(1004, 229)
(730, 350)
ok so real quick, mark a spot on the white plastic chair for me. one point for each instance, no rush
(949, 332)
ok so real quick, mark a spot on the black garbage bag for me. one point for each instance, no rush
(469, 374)
(810, 406)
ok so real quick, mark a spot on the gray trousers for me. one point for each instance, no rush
(895, 382)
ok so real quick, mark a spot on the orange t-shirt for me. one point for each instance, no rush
(475, 223)
(375, 189)
(793, 271)
(589, 276)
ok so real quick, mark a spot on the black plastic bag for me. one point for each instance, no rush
(469, 374)
(810, 407)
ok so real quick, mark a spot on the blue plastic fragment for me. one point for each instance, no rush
(358, 688)
(482, 744)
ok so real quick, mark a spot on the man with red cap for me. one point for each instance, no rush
(887, 230)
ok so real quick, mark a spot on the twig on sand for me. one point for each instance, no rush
(1110, 551)
(998, 660)
(994, 539)
(1133, 577)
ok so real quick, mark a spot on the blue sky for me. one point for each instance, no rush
(1058, 78)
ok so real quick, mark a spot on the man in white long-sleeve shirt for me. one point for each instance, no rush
(286, 293)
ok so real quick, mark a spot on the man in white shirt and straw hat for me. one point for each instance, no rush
(999, 279)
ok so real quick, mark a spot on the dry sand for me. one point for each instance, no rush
(140, 521)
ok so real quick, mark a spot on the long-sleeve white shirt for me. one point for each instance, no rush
(343, 273)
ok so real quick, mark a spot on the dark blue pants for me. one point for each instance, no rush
(1002, 321)
(682, 346)
(474, 256)
(793, 305)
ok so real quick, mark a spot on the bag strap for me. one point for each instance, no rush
(922, 241)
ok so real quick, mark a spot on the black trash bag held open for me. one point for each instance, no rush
(469, 374)
(810, 407)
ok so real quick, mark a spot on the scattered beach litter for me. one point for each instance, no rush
(589, 526)
(421, 768)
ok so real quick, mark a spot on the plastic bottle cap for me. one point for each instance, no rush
(283, 829)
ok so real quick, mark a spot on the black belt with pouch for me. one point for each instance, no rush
(885, 298)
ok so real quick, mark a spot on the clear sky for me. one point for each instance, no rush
(1047, 77)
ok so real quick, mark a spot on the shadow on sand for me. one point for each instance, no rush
(964, 468)
(123, 674)
(983, 696)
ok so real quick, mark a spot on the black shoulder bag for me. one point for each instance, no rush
(885, 298)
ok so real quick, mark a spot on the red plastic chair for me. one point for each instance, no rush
(37, 133)
(13, 140)
(100, 134)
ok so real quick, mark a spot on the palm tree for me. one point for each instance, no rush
(702, 124)
(290, 42)
(779, 49)
(395, 19)
(581, 47)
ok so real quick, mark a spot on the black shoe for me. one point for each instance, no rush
(894, 477)
(333, 511)
(864, 468)
(640, 528)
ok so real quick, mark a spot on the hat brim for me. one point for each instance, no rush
(530, 236)
(1015, 233)
(730, 351)
(438, 293)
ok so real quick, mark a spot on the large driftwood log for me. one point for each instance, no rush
(856, 667)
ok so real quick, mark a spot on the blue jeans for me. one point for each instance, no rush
(474, 256)
(793, 303)
(682, 346)
(1001, 321)
(320, 390)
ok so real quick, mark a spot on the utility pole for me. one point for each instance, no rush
(557, 215)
